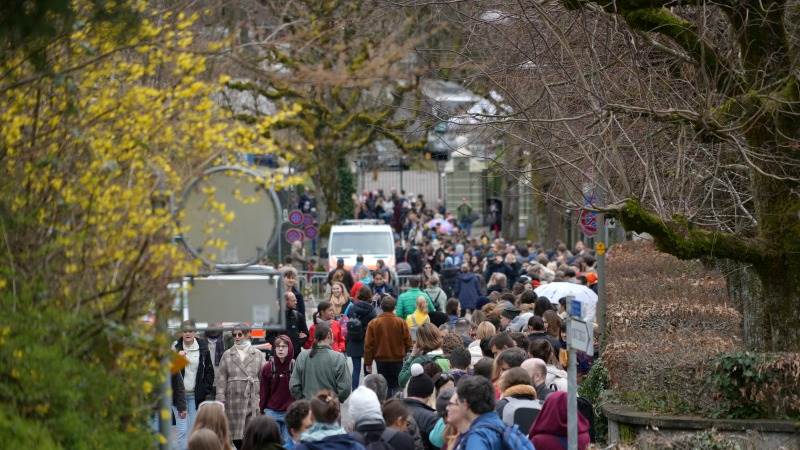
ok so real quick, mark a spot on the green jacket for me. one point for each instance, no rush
(407, 302)
(405, 372)
(326, 370)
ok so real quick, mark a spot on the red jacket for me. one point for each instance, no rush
(338, 339)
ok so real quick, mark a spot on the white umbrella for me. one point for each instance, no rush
(559, 289)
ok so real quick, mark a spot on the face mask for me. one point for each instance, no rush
(244, 343)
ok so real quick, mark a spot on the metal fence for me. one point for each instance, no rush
(314, 286)
(429, 183)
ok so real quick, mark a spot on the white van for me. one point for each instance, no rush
(367, 239)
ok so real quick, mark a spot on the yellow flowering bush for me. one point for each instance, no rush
(91, 153)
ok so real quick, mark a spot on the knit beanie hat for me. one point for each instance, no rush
(420, 385)
(365, 406)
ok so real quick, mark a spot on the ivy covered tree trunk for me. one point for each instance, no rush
(347, 187)
(753, 112)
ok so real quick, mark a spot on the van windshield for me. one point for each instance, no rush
(362, 243)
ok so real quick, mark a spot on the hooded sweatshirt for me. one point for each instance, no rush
(550, 428)
(325, 436)
(274, 377)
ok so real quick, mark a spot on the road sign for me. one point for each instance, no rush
(296, 217)
(294, 234)
(600, 248)
(310, 232)
(308, 220)
(581, 335)
(588, 223)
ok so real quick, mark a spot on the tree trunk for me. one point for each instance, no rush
(326, 181)
(778, 211)
(746, 291)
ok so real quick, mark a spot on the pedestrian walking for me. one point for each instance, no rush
(407, 302)
(419, 392)
(549, 432)
(325, 313)
(464, 211)
(369, 426)
(197, 376)
(296, 327)
(519, 404)
(471, 411)
(262, 433)
(436, 293)
(468, 289)
(427, 348)
(339, 298)
(211, 416)
(238, 386)
(321, 368)
(290, 285)
(537, 369)
(419, 317)
(298, 420)
(204, 439)
(275, 397)
(359, 315)
(326, 433)
(387, 342)
(298, 256)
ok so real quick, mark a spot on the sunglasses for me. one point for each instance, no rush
(238, 334)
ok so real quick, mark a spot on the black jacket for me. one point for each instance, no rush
(426, 419)
(178, 395)
(204, 382)
(295, 324)
(365, 312)
(373, 432)
(301, 302)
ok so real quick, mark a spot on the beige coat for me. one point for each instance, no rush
(238, 387)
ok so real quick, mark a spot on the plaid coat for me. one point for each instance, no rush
(238, 387)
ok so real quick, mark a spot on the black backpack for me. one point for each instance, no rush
(381, 443)
(355, 329)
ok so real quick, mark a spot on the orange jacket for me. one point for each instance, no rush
(338, 339)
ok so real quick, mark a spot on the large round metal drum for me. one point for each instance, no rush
(228, 217)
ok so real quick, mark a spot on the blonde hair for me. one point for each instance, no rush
(485, 330)
(212, 416)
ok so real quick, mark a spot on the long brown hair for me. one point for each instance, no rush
(212, 416)
(553, 323)
(428, 337)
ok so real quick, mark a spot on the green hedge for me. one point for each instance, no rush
(69, 381)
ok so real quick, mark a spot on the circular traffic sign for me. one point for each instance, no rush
(228, 217)
(588, 222)
(294, 234)
(296, 217)
(308, 220)
(310, 232)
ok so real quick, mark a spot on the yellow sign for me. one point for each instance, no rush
(600, 248)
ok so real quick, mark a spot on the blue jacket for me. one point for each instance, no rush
(480, 437)
(468, 289)
(337, 442)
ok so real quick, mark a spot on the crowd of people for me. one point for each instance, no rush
(460, 355)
